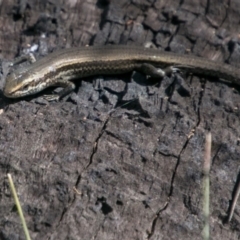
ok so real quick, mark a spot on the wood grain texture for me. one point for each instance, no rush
(117, 159)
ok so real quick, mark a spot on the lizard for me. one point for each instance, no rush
(61, 67)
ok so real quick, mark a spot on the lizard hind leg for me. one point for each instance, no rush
(152, 71)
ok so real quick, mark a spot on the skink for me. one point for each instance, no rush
(58, 68)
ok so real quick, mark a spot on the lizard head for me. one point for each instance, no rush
(18, 84)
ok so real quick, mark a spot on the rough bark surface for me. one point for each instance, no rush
(121, 159)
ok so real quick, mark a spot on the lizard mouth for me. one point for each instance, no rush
(10, 94)
(13, 92)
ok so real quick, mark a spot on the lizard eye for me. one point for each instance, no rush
(9, 73)
(25, 87)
